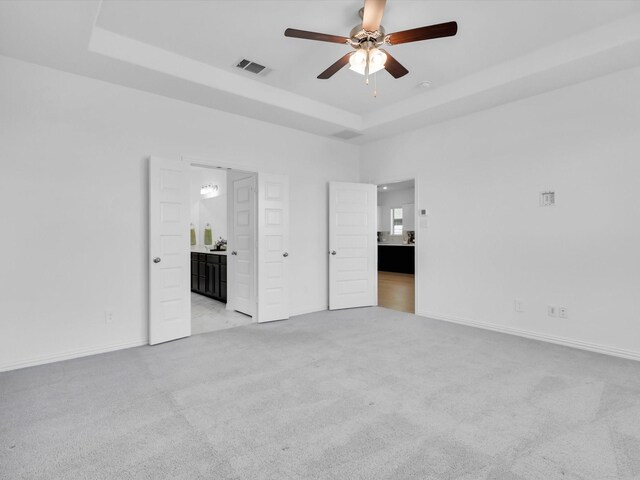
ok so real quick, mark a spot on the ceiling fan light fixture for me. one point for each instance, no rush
(377, 59)
(358, 61)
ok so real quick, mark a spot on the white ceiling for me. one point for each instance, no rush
(219, 33)
(504, 50)
(392, 187)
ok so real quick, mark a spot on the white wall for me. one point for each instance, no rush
(488, 242)
(208, 210)
(73, 200)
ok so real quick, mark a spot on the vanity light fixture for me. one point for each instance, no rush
(209, 191)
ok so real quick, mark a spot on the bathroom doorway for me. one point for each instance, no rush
(396, 231)
(222, 269)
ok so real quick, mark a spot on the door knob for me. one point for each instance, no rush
(285, 254)
(333, 252)
(234, 253)
(156, 260)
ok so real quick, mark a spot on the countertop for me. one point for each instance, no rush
(396, 244)
(200, 249)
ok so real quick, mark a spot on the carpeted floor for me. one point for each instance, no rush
(357, 394)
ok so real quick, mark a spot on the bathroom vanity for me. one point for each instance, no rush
(209, 274)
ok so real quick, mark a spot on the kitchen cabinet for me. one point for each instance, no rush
(209, 275)
(408, 217)
(398, 258)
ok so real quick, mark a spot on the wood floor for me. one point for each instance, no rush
(397, 291)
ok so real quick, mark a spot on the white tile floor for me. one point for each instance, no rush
(208, 315)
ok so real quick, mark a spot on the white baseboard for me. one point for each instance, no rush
(306, 311)
(567, 342)
(57, 357)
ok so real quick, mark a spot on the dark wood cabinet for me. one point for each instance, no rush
(209, 275)
(396, 258)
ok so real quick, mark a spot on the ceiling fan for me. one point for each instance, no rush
(367, 37)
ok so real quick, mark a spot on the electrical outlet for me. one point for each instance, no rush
(518, 306)
(552, 311)
(562, 312)
(108, 317)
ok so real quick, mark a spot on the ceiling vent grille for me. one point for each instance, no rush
(252, 67)
(346, 134)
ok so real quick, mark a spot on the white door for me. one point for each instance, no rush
(242, 245)
(169, 247)
(273, 244)
(353, 249)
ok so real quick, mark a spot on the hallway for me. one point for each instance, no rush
(396, 291)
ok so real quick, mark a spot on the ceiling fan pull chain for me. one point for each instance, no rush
(366, 67)
(375, 85)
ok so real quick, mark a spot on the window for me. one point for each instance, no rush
(396, 221)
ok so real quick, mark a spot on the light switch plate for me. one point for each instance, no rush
(547, 199)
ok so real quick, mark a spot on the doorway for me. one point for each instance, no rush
(217, 302)
(396, 232)
(171, 270)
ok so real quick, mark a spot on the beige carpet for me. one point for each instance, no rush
(357, 394)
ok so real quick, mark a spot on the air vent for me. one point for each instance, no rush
(346, 134)
(253, 67)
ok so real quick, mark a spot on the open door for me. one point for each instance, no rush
(273, 245)
(353, 251)
(241, 262)
(169, 273)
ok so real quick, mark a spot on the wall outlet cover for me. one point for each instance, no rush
(562, 312)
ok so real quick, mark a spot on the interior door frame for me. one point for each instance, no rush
(416, 220)
(249, 168)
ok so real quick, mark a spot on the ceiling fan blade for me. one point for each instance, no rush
(321, 37)
(394, 67)
(440, 30)
(329, 72)
(372, 14)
